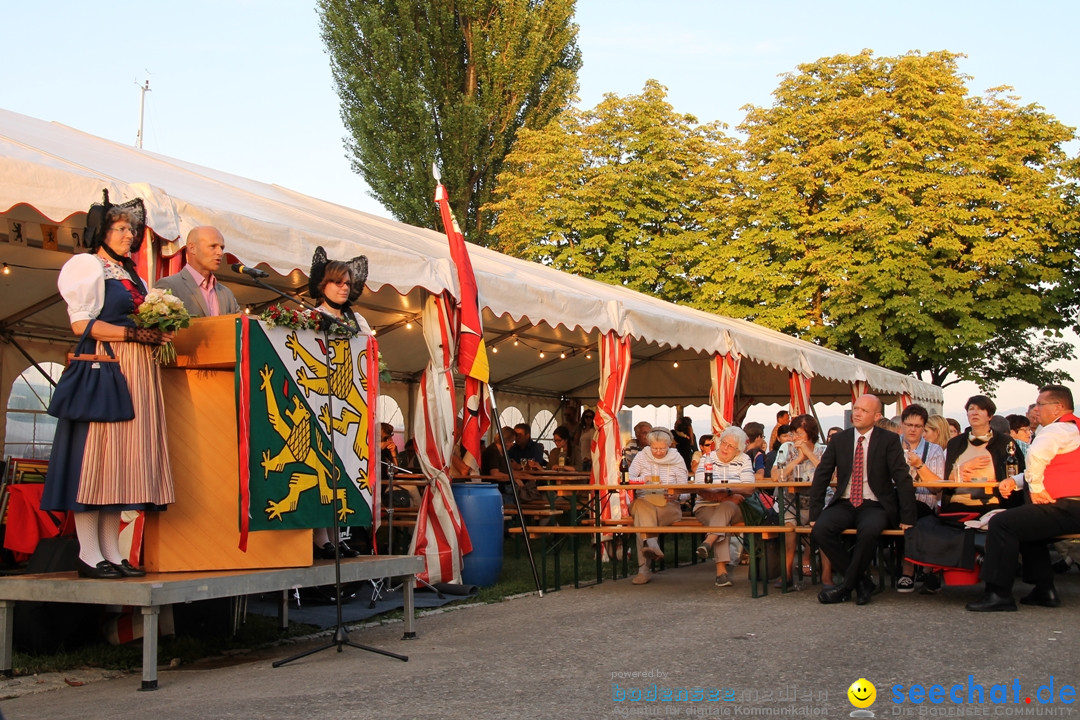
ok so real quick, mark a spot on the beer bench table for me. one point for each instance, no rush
(157, 589)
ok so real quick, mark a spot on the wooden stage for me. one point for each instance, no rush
(157, 589)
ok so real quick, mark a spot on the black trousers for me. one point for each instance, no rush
(1025, 532)
(869, 519)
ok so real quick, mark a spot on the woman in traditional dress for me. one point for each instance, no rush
(99, 469)
(335, 285)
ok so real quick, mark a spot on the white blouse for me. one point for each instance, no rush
(82, 284)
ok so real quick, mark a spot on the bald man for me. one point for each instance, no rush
(195, 284)
(873, 492)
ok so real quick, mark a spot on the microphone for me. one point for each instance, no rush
(243, 269)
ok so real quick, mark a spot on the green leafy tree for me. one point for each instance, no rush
(450, 82)
(620, 193)
(887, 213)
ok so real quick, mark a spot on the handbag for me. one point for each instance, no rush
(92, 388)
(759, 509)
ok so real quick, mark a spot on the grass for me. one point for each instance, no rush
(259, 631)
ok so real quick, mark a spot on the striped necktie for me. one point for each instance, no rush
(857, 475)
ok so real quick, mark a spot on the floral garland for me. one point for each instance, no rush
(304, 319)
(297, 319)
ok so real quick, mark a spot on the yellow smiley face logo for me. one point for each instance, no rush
(862, 693)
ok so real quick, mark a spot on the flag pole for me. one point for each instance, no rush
(472, 360)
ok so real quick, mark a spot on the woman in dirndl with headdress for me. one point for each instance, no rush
(335, 285)
(99, 469)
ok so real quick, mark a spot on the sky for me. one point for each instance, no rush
(244, 86)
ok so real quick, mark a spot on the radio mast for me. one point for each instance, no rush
(143, 89)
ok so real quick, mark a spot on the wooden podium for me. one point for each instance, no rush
(200, 531)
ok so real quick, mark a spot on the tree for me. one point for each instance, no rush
(888, 214)
(450, 82)
(619, 193)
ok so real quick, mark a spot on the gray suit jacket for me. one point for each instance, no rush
(183, 286)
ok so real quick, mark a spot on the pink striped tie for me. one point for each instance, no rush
(857, 475)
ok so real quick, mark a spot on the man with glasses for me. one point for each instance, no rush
(926, 463)
(1020, 431)
(1053, 477)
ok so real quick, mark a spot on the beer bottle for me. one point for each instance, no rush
(1012, 463)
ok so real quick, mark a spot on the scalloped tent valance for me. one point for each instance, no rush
(50, 173)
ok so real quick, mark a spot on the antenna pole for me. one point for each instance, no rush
(143, 89)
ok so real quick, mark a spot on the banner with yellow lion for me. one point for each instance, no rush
(306, 409)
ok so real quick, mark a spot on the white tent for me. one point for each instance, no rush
(50, 173)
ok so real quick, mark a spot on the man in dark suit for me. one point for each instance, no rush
(195, 284)
(873, 492)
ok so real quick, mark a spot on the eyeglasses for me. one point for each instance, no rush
(1040, 403)
(707, 444)
(729, 446)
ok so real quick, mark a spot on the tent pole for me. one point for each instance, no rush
(32, 360)
(513, 489)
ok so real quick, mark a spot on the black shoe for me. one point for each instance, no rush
(1045, 598)
(864, 591)
(992, 602)
(347, 552)
(326, 552)
(931, 583)
(104, 570)
(833, 595)
(128, 570)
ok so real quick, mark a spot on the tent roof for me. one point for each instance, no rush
(50, 173)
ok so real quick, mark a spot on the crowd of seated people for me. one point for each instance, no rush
(867, 477)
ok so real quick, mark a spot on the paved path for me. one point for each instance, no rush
(575, 652)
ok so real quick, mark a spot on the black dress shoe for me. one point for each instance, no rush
(1045, 598)
(992, 602)
(347, 552)
(104, 570)
(837, 594)
(864, 591)
(326, 552)
(128, 570)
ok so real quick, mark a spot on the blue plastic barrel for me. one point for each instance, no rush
(482, 511)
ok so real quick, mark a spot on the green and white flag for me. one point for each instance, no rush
(305, 416)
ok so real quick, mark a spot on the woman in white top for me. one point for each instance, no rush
(99, 469)
(655, 508)
(727, 467)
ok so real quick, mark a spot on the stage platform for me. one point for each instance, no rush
(157, 589)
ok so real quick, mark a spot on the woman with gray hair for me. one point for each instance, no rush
(655, 508)
(727, 466)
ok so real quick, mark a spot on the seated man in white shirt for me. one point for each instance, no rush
(1053, 476)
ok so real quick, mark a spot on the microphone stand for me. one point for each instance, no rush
(341, 635)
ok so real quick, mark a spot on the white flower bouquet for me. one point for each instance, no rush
(163, 311)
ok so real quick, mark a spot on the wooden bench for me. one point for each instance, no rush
(891, 533)
(685, 526)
